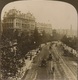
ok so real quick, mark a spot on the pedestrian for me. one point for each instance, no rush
(53, 69)
(37, 52)
(49, 47)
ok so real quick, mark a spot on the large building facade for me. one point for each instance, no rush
(14, 19)
(44, 27)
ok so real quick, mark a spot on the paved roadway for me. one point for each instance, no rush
(69, 71)
(69, 62)
(37, 72)
(61, 70)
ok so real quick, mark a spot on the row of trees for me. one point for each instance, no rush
(11, 62)
(70, 41)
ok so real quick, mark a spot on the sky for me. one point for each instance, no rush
(59, 14)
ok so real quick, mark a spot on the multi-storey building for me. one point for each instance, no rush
(43, 26)
(14, 19)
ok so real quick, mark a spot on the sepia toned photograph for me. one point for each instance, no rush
(39, 41)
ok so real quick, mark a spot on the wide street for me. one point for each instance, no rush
(65, 68)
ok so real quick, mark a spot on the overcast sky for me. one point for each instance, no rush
(59, 14)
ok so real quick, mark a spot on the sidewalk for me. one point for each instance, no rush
(26, 67)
